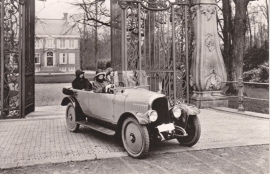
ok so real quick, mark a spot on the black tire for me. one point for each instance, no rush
(135, 138)
(71, 118)
(193, 130)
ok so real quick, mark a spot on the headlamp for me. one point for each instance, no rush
(153, 115)
(176, 112)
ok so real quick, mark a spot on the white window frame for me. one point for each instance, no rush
(61, 56)
(62, 43)
(71, 44)
(38, 58)
(76, 44)
(39, 43)
(66, 43)
(58, 43)
(71, 68)
(72, 58)
(49, 43)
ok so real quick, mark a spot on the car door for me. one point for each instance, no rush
(101, 106)
(119, 104)
(82, 99)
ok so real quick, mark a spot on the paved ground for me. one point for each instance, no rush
(233, 160)
(45, 139)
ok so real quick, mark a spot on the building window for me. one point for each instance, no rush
(67, 43)
(37, 58)
(63, 58)
(76, 44)
(63, 69)
(62, 43)
(49, 43)
(50, 59)
(37, 44)
(71, 58)
(71, 43)
(71, 69)
(37, 69)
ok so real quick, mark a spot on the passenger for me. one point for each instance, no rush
(101, 85)
(80, 82)
(109, 75)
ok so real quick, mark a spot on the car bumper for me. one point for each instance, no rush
(170, 131)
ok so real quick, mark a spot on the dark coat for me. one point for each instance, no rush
(81, 83)
(100, 87)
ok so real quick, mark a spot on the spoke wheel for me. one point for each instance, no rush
(135, 138)
(193, 130)
(71, 118)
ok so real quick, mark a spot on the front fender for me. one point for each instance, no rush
(67, 100)
(79, 113)
(141, 118)
(189, 109)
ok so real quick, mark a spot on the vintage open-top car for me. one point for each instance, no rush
(137, 115)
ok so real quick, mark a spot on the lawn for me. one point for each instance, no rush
(251, 104)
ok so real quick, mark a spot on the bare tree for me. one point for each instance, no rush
(94, 14)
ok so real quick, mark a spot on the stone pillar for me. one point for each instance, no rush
(207, 66)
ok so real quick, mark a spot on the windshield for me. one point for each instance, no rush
(130, 78)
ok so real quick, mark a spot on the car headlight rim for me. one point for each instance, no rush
(153, 116)
(176, 112)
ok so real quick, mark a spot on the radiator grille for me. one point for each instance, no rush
(161, 106)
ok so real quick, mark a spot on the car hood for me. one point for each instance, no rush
(140, 100)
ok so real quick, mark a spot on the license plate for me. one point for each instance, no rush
(166, 127)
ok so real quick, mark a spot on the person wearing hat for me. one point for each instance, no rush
(80, 82)
(101, 85)
(109, 75)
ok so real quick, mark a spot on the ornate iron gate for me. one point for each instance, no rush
(155, 39)
(17, 58)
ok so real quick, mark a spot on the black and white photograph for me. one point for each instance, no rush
(134, 87)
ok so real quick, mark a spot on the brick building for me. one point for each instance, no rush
(57, 46)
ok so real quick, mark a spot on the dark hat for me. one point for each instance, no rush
(79, 72)
(101, 73)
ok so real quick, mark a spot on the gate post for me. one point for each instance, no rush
(207, 65)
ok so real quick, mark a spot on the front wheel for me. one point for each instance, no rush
(135, 138)
(71, 118)
(193, 130)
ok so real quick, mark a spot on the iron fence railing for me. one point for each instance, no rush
(241, 96)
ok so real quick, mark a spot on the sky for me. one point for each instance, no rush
(54, 9)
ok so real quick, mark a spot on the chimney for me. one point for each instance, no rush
(65, 16)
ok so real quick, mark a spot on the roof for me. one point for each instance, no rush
(54, 27)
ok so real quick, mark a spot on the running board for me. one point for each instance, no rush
(97, 128)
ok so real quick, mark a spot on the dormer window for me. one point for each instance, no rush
(49, 43)
(71, 43)
(62, 43)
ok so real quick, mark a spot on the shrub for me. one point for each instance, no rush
(103, 63)
(260, 74)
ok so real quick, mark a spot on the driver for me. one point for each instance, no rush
(101, 85)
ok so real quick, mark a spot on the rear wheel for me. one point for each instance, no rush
(193, 130)
(135, 138)
(71, 118)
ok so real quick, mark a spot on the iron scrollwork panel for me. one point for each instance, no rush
(10, 62)
(155, 42)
